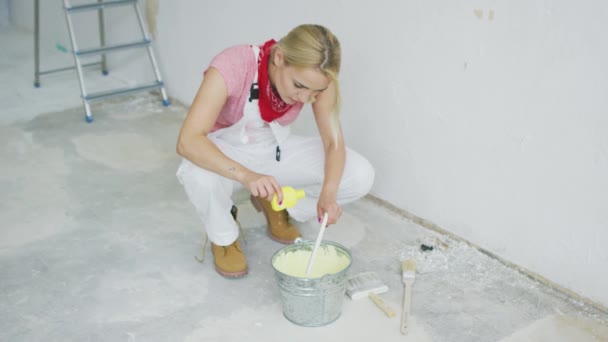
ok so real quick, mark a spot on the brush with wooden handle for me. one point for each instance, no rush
(380, 304)
(408, 273)
(367, 284)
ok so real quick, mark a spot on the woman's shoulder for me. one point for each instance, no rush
(241, 54)
(236, 64)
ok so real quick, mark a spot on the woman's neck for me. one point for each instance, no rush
(272, 69)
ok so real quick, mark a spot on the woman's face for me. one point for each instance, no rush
(297, 84)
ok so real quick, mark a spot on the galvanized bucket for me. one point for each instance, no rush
(312, 302)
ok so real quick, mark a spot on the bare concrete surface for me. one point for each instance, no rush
(98, 242)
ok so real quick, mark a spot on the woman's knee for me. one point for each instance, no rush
(361, 174)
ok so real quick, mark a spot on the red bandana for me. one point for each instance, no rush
(271, 105)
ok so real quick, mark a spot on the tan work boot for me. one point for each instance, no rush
(279, 227)
(229, 260)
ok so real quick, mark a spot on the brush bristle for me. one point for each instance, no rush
(362, 284)
(408, 265)
(408, 268)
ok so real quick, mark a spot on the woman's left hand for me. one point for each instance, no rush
(328, 204)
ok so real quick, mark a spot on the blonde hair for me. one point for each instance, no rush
(316, 47)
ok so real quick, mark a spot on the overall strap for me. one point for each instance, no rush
(254, 92)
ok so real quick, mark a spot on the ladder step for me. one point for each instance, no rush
(112, 48)
(123, 91)
(67, 68)
(103, 4)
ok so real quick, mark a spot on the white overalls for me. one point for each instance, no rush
(255, 144)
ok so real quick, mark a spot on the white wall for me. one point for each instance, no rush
(4, 14)
(493, 126)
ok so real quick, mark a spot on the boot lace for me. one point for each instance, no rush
(242, 235)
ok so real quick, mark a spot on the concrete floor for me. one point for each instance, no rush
(97, 242)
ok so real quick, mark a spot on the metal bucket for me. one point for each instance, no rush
(312, 302)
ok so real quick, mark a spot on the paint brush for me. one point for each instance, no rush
(408, 274)
(313, 255)
(367, 284)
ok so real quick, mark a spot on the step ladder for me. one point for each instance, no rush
(100, 5)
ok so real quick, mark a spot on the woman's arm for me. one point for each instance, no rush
(335, 153)
(194, 145)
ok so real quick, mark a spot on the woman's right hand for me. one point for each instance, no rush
(264, 186)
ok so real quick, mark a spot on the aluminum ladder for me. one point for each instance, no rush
(87, 98)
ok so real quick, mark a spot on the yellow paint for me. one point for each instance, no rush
(327, 261)
(491, 15)
(478, 13)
